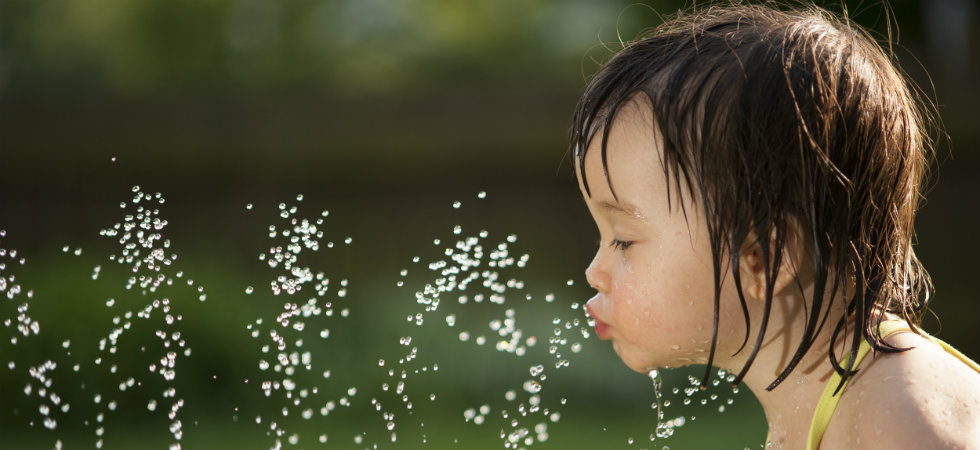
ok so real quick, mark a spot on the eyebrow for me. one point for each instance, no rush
(623, 208)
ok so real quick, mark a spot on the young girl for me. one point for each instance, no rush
(754, 174)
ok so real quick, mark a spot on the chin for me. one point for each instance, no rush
(636, 363)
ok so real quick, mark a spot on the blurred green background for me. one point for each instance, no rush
(385, 113)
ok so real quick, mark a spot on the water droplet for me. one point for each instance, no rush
(457, 204)
(482, 194)
(248, 207)
(248, 290)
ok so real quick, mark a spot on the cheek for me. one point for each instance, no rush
(673, 293)
(640, 302)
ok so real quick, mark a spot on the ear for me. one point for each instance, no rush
(753, 266)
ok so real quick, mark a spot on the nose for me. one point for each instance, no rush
(597, 276)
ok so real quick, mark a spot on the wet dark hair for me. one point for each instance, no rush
(771, 115)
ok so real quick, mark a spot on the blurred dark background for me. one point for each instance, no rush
(383, 112)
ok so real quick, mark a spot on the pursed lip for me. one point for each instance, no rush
(601, 328)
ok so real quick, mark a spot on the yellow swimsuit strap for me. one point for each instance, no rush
(828, 401)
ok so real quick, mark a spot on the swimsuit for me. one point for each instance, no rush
(828, 401)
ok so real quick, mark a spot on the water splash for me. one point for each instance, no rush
(40, 381)
(144, 253)
(307, 301)
(474, 294)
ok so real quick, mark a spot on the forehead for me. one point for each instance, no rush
(633, 154)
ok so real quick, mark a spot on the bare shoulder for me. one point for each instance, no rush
(920, 398)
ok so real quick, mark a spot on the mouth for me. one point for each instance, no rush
(601, 328)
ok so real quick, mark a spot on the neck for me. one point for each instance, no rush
(789, 407)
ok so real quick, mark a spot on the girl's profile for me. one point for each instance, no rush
(754, 173)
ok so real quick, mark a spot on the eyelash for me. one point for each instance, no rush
(617, 244)
(621, 245)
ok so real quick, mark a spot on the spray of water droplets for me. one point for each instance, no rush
(473, 294)
(689, 397)
(307, 301)
(40, 382)
(473, 279)
(145, 254)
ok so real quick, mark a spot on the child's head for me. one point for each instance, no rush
(766, 131)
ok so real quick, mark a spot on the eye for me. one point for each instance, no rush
(621, 245)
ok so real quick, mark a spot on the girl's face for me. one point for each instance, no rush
(652, 272)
